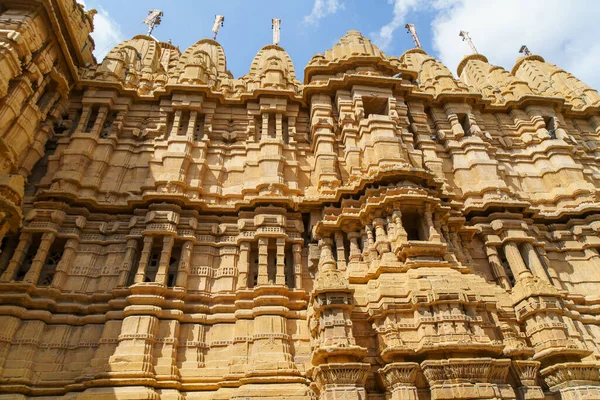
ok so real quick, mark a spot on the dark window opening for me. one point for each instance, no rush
(463, 120)
(411, 222)
(199, 127)
(550, 126)
(169, 125)
(272, 129)
(92, 117)
(375, 105)
(52, 260)
(285, 130)
(183, 123)
(173, 265)
(108, 124)
(289, 267)
(152, 267)
(506, 266)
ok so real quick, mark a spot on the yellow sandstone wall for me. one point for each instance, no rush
(382, 230)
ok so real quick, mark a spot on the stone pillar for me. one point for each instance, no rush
(263, 261)
(497, 269)
(381, 242)
(127, 264)
(326, 260)
(371, 242)
(297, 253)
(400, 380)
(33, 274)
(18, 257)
(526, 371)
(163, 263)
(400, 233)
(355, 255)
(529, 254)
(433, 234)
(243, 265)
(265, 127)
(176, 122)
(64, 265)
(515, 261)
(183, 269)
(342, 381)
(280, 272)
(279, 126)
(191, 125)
(340, 250)
(140, 275)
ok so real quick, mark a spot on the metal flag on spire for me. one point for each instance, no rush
(410, 28)
(525, 50)
(276, 26)
(465, 36)
(153, 19)
(219, 19)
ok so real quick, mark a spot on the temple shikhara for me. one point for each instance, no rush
(372, 228)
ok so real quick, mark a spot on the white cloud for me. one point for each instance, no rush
(563, 35)
(384, 37)
(321, 9)
(107, 33)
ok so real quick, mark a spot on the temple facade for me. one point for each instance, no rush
(376, 229)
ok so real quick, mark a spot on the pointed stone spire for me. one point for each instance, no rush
(467, 38)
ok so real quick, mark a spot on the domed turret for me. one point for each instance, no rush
(434, 77)
(495, 83)
(549, 80)
(353, 53)
(202, 64)
(133, 62)
(272, 68)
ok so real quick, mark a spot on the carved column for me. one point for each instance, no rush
(371, 242)
(127, 264)
(243, 265)
(297, 253)
(529, 254)
(176, 122)
(355, 255)
(18, 257)
(400, 233)
(263, 261)
(342, 381)
(191, 125)
(33, 274)
(64, 265)
(280, 271)
(340, 250)
(140, 275)
(381, 239)
(400, 379)
(433, 234)
(326, 260)
(183, 269)
(526, 371)
(515, 261)
(497, 269)
(163, 263)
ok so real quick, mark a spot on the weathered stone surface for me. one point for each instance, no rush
(381, 230)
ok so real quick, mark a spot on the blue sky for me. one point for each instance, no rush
(563, 35)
